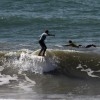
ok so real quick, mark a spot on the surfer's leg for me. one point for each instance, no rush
(42, 47)
(44, 50)
(90, 45)
(40, 51)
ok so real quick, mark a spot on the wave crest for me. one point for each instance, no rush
(70, 63)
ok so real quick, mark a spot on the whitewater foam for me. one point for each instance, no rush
(5, 79)
(88, 71)
(30, 61)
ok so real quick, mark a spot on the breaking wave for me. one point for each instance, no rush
(67, 62)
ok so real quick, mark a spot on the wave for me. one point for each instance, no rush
(81, 20)
(67, 62)
(24, 20)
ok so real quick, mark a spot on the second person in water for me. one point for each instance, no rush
(72, 44)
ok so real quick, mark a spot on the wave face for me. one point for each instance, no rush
(78, 64)
(69, 63)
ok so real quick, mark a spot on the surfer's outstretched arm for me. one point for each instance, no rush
(65, 45)
(51, 35)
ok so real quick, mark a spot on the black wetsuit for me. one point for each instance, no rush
(42, 43)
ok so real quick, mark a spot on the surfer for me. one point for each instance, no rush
(42, 42)
(72, 44)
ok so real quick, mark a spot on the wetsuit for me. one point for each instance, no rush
(42, 43)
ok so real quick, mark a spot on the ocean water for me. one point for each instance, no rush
(65, 73)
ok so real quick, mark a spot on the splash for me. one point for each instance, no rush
(5, 79)
(37, 64)
(87, 70)
(29, 61)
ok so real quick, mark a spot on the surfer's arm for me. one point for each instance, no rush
(65, 45)
(51, 35)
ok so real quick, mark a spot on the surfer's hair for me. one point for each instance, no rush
(46, 31)
(70, 41)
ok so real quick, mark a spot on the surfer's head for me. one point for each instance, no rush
(70, 41)
(46, 31)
